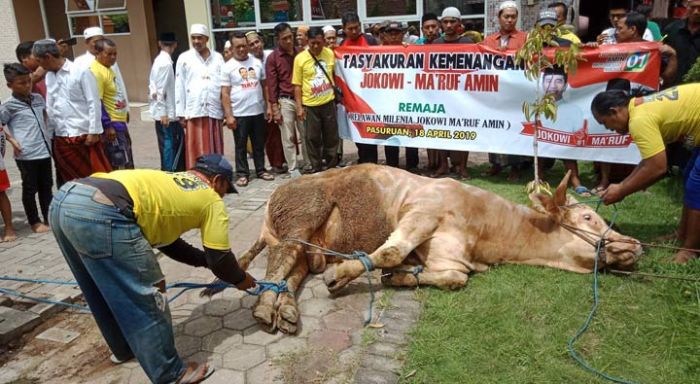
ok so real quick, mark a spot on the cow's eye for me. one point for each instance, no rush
(587, 217)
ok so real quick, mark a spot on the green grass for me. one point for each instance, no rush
(512, 324)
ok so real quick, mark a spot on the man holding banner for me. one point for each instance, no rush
(654, 121)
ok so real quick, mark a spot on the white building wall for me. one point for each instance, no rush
(9, 38)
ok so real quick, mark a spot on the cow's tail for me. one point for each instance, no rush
(251, 253)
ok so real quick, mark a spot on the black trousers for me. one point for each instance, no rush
(253, 127)
(392, 156)
(322, 138)
(366, 153)
(36, 178)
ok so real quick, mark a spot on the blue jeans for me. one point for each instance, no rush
(117, 271)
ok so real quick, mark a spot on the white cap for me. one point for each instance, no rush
(199, 29)
(91, 32)
(451, 12)
(227, 44)
(328, 28)
(508, 4)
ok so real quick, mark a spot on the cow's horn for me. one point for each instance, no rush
(560, 194)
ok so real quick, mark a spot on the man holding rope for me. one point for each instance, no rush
(654, 121)
(106, 226)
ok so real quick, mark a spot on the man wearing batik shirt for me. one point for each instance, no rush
(243, 97)
(198, 97)
(114, 110)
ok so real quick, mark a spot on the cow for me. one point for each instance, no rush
(402, 220)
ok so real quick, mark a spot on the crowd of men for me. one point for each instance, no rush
(279, 103)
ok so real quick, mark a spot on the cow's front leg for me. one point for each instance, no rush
(412, 230)
(287, 311)
(281, 259)
(450, 279)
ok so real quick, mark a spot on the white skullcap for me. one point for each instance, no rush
(91, 32)
(227, 44)
(507, 4)
(199, 29)
(328, 28)
(451, 12)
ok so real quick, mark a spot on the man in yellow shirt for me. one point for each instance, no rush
(114, 106)
(106, 226)
(313, 82)
(654, 121)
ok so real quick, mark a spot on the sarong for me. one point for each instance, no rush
(203, 136)
(273, 145)
(119, 151)
(75, 160)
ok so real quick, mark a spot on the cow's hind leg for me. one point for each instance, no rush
(287, 311)
(413, 229)
(450, 279)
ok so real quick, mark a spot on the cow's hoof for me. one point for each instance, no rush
(287, 318)
(266, 316)
(333, 283)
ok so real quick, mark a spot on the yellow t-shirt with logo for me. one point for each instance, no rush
(167, 205)
(315, 88)
(107, 89)
(665, 117)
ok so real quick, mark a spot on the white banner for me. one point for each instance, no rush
(469, 98)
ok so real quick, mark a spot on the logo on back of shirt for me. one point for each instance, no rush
(187, 182)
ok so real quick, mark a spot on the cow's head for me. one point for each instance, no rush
(585, 228)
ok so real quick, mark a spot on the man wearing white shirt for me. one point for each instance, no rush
(273, 143)
(73, 107)
(198, 97)
(92, 35)
(161, 88)
(243, 96)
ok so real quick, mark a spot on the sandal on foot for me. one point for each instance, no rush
(266, 176)
(195, 373)
(582, 191)
(242, 182)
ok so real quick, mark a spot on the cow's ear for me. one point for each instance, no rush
(560, 193)
(545, 203)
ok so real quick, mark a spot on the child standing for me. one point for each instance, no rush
(25, 116)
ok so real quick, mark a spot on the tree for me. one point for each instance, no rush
(542, 51)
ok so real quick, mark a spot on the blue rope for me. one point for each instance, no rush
(261, 286)
(363, 257)
(12, 292)
(570, 345)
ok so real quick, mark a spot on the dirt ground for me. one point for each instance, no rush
(85, 359)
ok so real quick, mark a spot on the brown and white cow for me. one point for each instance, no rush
(402, 220)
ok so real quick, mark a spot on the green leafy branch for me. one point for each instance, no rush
(536, 60)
